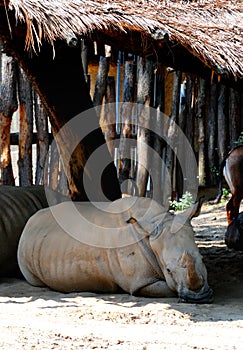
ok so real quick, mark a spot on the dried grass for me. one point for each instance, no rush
(211, 30)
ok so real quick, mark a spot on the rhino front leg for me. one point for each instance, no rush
(157, 289)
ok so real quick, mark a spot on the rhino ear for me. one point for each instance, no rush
(195, 210)
(180, 219)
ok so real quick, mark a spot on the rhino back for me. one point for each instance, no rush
(47, 255)
(17, 205)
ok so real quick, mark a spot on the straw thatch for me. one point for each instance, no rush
(211, 30)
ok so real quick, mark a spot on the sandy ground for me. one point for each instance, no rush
(38, 318)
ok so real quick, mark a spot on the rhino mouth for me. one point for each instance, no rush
(204, 296)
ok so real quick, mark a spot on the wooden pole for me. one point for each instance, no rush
(211, 132)
(234, 115)
(62, 88)
(144, 93)
(201, 115)
(41, 122)
(159, 184)
(101, 81)
(110, 114)
(223, 115)
(127, 126)
(8, 105)
(171, 132)
(25, 130)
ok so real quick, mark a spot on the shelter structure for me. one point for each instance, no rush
(203, 36)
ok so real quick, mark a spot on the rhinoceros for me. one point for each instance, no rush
(18, 204)
(131, 245)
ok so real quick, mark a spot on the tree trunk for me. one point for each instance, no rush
(201, 115)
(144, 92)
(61, 85)
(223, 144)
(8, 105)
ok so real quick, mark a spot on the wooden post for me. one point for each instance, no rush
(101, 82)
(62, 88)
(159, 143)
(211, 132)
(171, 131)
(8, 105)
(25, 130)
(223, 105)
(234, 115)
(128, 92)
(201, 115)
(42, 147)
(54, 166)
(110, 114)
(144, 93)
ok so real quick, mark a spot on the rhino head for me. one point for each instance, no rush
(179, 258)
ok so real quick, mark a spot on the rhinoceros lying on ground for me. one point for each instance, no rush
(18, 204)
(131, 244)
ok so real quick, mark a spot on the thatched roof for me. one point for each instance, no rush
(211, 30)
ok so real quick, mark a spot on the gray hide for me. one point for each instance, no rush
(102, 247)
(18, 204)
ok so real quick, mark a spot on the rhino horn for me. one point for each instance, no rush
(194, 281)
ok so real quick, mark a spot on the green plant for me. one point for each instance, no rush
(184, 202)
(215, 171)
(239, 142)
(225, 192)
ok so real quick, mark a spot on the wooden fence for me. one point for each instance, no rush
(209, 114)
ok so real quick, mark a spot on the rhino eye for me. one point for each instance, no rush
(168, 270)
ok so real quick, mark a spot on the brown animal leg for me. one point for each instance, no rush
(232, 207)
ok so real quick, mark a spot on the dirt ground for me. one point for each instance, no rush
(38, 318)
